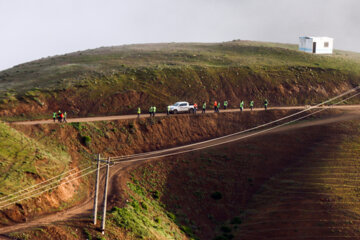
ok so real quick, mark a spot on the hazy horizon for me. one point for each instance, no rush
(35, 29)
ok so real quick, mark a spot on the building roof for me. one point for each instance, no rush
(311, 37)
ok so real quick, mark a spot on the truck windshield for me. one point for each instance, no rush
(176, 104)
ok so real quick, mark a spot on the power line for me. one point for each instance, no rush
(39, 188)
(232, 140)
(125, 158)
(22, 190)
(247, 130)
(33, 195)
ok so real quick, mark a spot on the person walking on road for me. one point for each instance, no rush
(65, 116)
(251, 105)
(195, 108)
(203, 107)
(218, 107)
(138, 112)
(266, 102)
(215, 106)
(168, 110)
(225, 104)
(150, 111)
(154, 111)
(59, 116)
(54, 116)
(241, 105)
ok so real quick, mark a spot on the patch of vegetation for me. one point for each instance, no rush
(86, 140)
(144, 217)
(77, 125)
(216, 195)
(236, 220)
(23, 160)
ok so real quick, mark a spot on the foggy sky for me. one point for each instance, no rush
(40, 28)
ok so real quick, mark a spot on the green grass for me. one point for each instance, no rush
(167, 72)
(25, 161)
(144, 217)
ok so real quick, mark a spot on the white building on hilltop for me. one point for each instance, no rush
(317, 45)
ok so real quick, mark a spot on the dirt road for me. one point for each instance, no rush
(122, 163)
(208, 111)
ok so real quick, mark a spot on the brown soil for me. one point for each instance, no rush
(146, 135)
(282, 87)
(167, 132)
(264, 182)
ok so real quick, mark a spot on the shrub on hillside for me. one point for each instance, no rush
(236, 220)
(86, 140)
(216, 195)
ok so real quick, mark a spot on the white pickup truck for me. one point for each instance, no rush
(181, 107)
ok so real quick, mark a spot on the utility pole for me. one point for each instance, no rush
(105, 195)
(96, 188)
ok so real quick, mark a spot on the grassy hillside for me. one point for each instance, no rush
(24, 161)
(119, 79)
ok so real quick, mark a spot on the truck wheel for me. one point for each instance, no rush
(191, 111)
(175, 112)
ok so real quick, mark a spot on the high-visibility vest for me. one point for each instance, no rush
(215, 103)
(266, 102)
(168, 108)
(154, 109)
(139, 111)
(195, 105)
(225, 103)
(251, 103)
(151, 109)
(54, 115)
(242, 104)
(204, 105)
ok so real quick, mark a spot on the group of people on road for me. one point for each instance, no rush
(242, 105)
(60, 116)
(251, 104)
(152, 109)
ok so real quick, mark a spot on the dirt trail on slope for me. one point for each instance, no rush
(208, 111)
(85, 209)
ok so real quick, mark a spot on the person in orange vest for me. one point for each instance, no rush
(215, 106)
(61, 117)
(195, 108)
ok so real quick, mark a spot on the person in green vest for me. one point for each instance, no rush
(168, 110)
(203, 107)
(251, 105)
(154, 111)
(150, 111)
(266, 102)
(54, 116)
(218, 107)
(65, 116)
(138, 112)
(225, 104)
(241, 105)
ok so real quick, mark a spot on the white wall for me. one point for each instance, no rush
(306, 44)
(320, 45)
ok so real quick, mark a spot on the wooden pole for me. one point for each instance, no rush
(96, 189)
(105, 195)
